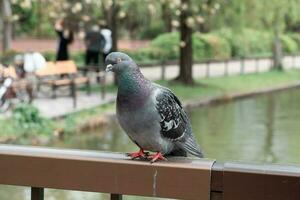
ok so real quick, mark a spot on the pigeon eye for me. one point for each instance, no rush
(119, 60)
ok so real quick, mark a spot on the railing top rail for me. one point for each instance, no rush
(180, 178)
(104, 172)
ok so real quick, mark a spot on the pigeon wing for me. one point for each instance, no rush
(173, 120)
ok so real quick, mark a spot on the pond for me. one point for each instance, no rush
(259, 129)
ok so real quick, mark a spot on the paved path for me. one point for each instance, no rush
(61, 106)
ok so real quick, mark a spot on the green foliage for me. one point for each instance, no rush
(204, 46)
(77, 56)
(209, 46)
(169, 43)
(149, 55)
(247, 42)
(149, 32)
(7, 57)
(288, 44)
(27, 120)
(49, 55)
(27, 17)
(295, 37)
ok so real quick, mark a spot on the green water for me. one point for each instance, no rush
(260, 129)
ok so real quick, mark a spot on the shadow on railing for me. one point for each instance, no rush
(180, 178)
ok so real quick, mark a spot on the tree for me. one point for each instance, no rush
(166, 15)
(113, 24)
(186, 50)
(6, 16)
(190, 16)
(275, 18)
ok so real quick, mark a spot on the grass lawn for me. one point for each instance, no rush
(203, 88)
(223, 85)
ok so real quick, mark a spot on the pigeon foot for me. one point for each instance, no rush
(156, 157)
(139, 154)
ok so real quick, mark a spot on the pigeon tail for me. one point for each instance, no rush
(191, 147)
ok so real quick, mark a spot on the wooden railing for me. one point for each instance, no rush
(180, 178)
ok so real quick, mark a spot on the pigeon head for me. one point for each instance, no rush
(118, 62)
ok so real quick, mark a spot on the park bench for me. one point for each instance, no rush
(59, 74)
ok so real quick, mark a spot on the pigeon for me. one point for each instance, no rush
(150, 114)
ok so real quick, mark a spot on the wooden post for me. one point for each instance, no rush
(102, 84)
(163, 70)
(207, 69)
(257, 65)
(242, 68)
(226, 72)
(293, 61)
(37, 193)
(116, 197)
(73, 93)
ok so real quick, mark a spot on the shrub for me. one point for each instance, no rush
(210, 46)
(288, 44)
(77, 56)
(147, 55)
(8, 57)
(28, 120)
(168, 43)
(247, 42)
(204, 46)
(155, 29)
(296, 38)
(49, 55)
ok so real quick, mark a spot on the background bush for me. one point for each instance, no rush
(27, 120)
(296, 38)
(210, 46)
(288, 44)
(205, 46)
(168, 43)
(247, 42)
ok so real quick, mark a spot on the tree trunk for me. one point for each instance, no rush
(38, 10)
(114, 25)
(6, 14)
(166, 16)
(186, 50)
(277, 51)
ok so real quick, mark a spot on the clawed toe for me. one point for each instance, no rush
(156, 157)
(139, 154)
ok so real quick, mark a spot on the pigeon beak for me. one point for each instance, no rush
(109, 68)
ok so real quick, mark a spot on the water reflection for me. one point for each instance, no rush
(261, 129)
(270, 117)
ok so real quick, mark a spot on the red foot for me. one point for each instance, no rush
(155, 157)
(139, 154)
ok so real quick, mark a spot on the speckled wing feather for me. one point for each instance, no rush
(173, 118)
(174, 122)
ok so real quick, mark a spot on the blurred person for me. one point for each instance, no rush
(94, 42)
(65, 37)
(108, 42)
